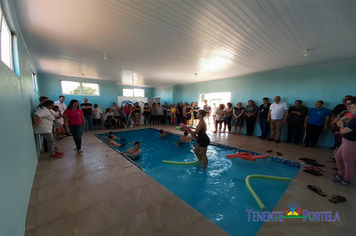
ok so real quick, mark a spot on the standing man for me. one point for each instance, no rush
(316, 120)
(208, 109)
(262, 118)
(87, 108)
(165, 110)
(296, 119)
(277, 115)
(334, 128)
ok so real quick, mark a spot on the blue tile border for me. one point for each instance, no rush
(270, 158)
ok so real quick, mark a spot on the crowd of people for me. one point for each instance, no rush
(54, 120)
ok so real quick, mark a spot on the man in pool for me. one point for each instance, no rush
(132, 152)
(109, 139)
(163, 133)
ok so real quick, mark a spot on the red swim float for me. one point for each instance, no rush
(246, 156)
(187, 128)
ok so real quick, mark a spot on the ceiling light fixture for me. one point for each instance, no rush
(105, 56)
(305, 52)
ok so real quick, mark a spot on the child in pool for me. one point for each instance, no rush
(109, 139)
(185, 138)
(163, 133)
(133, 152)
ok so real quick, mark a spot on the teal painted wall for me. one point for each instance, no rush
(165, 92)
(50, 86)
(329, 83)
(17, 144)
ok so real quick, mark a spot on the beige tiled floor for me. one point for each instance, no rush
(101, 193)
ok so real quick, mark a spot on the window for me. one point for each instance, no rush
(133, 92)
(6, 51)
(34, 81)
(217, 98)
(79, 88)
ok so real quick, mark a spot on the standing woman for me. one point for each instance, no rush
(147, 113)
(43, 125)
(228, 116)
(192, 114)
(74, 121)
(251, 115)
(184, 111)
(214, 112)
(173, 114)
(188, 114)
(127, 111)
(137, 112)
(202, 141)
(153, 114)
(219, 117)
(238, 117)
(345, 155)
(196, 109)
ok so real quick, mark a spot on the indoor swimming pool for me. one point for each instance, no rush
(219, 192)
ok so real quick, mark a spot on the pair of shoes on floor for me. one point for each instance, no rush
(56, 155)
(270, 139)
(278, 140)
(340, 180)
(334, 199)
(313, 170)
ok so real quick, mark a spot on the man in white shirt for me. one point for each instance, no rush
(277, 115)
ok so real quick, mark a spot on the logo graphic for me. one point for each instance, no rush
(293, 213)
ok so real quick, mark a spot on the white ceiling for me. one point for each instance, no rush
(161, 42)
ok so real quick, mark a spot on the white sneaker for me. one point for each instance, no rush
(125, 126)
(130, 125)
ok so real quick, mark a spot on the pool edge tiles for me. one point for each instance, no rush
(270, 157)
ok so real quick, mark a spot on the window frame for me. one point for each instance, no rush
(133, 92)
(80, 87)
(11, 51)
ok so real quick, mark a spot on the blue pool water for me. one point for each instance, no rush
(219, 192)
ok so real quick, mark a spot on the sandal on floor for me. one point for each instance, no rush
(269, 151)
(278, 153)
(312, 172)
(337, 198)
(317, 190)
(316, 169)
(315, 164)
(307, 159)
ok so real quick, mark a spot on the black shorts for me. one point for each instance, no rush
(96, 121)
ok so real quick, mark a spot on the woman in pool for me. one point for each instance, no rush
(202, 141)
(74, 121)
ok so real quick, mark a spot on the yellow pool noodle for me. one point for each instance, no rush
(257, 199)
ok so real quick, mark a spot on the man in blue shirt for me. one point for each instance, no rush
(316, 120)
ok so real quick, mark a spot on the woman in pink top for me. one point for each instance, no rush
(127, 111)
(74, 121)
